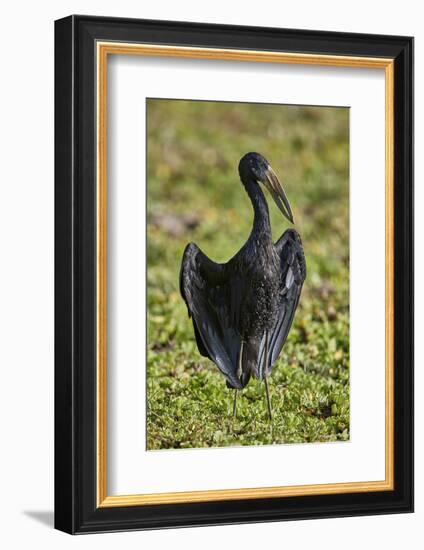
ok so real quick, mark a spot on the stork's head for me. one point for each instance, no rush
(255, 167)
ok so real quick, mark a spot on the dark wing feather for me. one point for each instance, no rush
(213, 303)
(293, 273)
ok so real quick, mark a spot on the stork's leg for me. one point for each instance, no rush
(239, 371)
(235, 404)
(268, 400)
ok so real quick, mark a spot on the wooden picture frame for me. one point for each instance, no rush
(82, 47)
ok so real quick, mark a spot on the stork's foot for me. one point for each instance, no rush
(235, 404)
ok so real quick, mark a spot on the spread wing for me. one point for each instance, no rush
(213, 301)
(293, 273)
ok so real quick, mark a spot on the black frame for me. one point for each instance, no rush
(75, 275)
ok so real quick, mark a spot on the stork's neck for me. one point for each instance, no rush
(261, 223)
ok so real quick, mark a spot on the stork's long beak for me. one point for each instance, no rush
(274, 187)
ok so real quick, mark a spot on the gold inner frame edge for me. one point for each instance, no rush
(103, 49)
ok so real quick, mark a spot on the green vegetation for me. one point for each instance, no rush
(194, 194)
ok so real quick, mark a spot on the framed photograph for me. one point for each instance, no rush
(234, 274)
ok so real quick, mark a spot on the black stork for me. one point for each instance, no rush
(242, 310)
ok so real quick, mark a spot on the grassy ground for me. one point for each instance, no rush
(194, 194)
